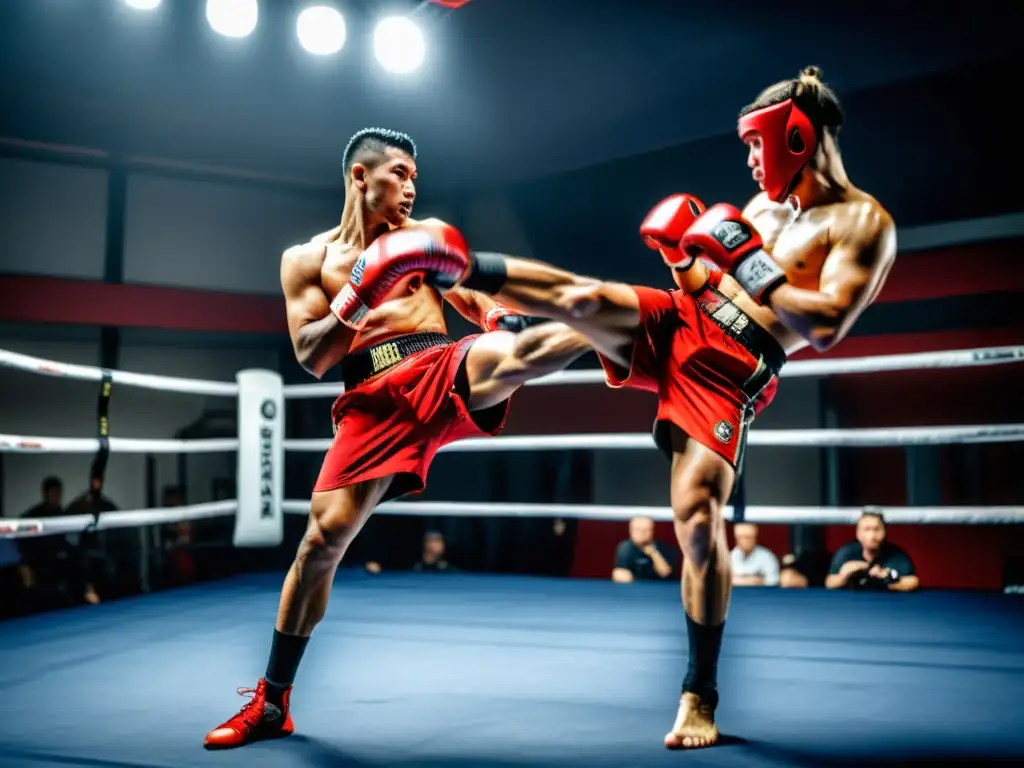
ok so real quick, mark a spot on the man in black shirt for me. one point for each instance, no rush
(871, 562)
(641, 557)
(433, 558)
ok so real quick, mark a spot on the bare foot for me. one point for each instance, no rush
(694, 727)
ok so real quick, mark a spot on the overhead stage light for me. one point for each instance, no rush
(143, 5)
(398, 44)
(232, 18)
(321, 30)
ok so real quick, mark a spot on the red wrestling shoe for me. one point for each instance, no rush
(257, 720)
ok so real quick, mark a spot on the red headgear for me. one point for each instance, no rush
(788, 141)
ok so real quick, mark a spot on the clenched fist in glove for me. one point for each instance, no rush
(726, 238)
(441, 255)
(501, 318)
(665, 225)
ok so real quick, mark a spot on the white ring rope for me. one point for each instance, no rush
(621, 513)
(22, 528)
(23, 444)
(17, 528)
(91, 373)
(797, 438)
(886, 436)
(1002, 515)
(958, 358)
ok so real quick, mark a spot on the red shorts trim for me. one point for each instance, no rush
(708, 385)
(395, 423)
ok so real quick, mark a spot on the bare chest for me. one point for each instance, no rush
(799, 243)
(336, 268)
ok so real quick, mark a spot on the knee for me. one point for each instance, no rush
(699, 524)
(694, 507)
(330, 532)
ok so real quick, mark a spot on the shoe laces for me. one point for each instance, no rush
(249, 713)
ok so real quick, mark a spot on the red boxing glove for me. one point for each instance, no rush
(442, 254)
(665, 225)
(501, 318)
(731, 242)
(497, 318)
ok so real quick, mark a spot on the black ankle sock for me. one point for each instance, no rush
(702, 671)
(285, 654)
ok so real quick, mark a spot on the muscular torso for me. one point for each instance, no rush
(800, 244)
(418, 310)
(327, 263)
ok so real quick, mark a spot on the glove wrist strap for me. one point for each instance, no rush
(758, 274)
(487, 273)
(349, 308)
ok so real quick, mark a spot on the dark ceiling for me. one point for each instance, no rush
(512, 90)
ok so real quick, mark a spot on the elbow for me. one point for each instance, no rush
(823, 341)
(622, 576)
(830, 329)
(311, 363)
(909, 583)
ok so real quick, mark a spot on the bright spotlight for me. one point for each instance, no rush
(232, 18)
(143, 5)
(321, 30)
(398, 44)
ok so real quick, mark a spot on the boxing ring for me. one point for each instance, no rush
(474, 671)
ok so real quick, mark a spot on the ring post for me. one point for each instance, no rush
(260, 520)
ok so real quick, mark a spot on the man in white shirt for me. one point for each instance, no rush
(752, 565)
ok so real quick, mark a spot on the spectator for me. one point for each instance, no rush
(641, 557)
(792, 576)
(179, 566)
(106, 556)
(871, 562)
(11, 585)
(808, 569)
(752, 564)
(47, 562)
(433, 557)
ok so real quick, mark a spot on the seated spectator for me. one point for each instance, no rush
(48, 563)
(752, 564)
(791, 575)
(433, 557)
(641, 557)
(12, 602)
(179, 563)
(808, 569)
(107, 557)
(871, 562)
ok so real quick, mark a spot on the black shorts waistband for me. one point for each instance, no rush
(366, 363)
(741, 327)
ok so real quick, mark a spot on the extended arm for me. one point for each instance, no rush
(472, 305)
(319, 339)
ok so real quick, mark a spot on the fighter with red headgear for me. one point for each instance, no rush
(794, 269)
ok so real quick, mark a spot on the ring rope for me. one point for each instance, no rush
(126, 378)
(958, 358)
(23, 528)
(849, 438)
(25, 444)
(1000, 515)
(795, 438)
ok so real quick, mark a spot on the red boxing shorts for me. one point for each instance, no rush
(404, 399)
(713, 368)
